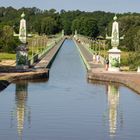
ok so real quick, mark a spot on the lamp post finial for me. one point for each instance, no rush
(115, 17)
(22, 15)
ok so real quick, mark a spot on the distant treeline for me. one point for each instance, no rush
(91, 24)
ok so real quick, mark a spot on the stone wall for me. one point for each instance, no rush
(3, 84)
(128, 80)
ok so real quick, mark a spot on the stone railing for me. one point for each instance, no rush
(39, 56)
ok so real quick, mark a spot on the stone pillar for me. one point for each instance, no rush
(75, 35)
(114, 53)
(63, 33)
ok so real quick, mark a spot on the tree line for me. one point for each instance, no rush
(91, 24)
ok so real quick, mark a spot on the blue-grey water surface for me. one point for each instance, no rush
(67, 107)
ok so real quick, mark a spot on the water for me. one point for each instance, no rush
(67, 107)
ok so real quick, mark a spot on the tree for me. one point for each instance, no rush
(129, 26)
(67, 19)
(48, 26)
(86, 26)
(137, 40)
(8, 43)
(90, 27)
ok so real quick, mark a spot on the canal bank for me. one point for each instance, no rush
(96, 71)
(40, 69)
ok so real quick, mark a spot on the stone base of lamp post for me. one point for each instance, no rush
(22, 67)
(22, 57)
(114, 60)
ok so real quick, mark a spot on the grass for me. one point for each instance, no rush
(7, 56)
(124, 56)
(38, 48)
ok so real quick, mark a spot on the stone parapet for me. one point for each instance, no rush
(7, 78)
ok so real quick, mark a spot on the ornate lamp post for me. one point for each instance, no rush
(114, 53)
(22, 51)
(75, 35)
(63, 33)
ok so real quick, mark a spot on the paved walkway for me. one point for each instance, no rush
(97, 72)
(89, 58)
(46, 60)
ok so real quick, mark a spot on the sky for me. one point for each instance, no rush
(117, 6)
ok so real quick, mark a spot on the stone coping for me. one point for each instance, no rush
(7, 78)
(129, 79)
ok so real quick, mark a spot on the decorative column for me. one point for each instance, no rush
(63, 33)
(75, 35)
(114, 53)
(22, 57)
(22, 29)
(22, 51)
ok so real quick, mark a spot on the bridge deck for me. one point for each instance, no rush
(97, 72)
(89, 58)
(46, 60)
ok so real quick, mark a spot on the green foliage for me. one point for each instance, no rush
(52, 22)
(134, 60)
(91, 28)
(67, 19)
(7, 42)
(48, 26)
(130, 27)
(7, 56)
(124, 61)
(130, 59)
(22, 59)
(86, 26)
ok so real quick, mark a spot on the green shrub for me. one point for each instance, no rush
(134, 60)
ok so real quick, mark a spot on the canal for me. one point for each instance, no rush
(67, 106)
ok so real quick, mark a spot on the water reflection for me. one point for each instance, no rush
(115, 115)
(113, 102)
(22, 109)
